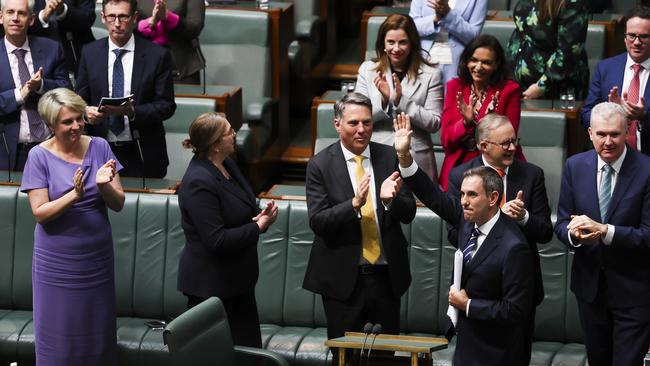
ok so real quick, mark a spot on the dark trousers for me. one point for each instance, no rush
(242, 318)
(372, 301)
(22, 151)
(128, 155)
(614, 336)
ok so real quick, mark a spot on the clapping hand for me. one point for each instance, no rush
(382, 85)
(52, 7)
(390, 187)
(586, 230)
(363, 187)
(466, 110)
(267, 216)
(78, 183)
(440, 6)
(634, 111)
(494, 103)
(33, 84)
(106, 173)
(515, 208)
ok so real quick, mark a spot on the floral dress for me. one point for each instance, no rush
(551, 54)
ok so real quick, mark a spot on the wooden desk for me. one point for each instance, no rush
(228, 99)
(388, 342)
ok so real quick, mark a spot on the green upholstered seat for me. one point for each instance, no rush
(500, 29)
(371, 36)
(237, 47)
(176, 130)
(305, 49)
(543, 139)
(499, 4)
(595, 44)
(201, 336)
(325, 132)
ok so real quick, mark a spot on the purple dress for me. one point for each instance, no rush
(72, 271)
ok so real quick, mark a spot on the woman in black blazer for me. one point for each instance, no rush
(222, 223)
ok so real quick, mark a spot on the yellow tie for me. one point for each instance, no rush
(371, 248)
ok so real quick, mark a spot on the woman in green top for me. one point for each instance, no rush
(547, 47)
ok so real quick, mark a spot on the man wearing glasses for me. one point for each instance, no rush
(524, 197)
(623, 79)
(123, 65)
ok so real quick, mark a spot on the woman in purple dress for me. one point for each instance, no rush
(70, 180)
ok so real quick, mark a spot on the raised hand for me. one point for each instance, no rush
(402, 127)
(515, 208)
(105, 173)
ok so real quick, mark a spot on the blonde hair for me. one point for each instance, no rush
(50, 104)
(206, 130)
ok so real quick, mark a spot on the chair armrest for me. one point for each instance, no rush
(275, 358)
(308, 29)
(259, 111)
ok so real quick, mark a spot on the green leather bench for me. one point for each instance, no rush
(148, 239)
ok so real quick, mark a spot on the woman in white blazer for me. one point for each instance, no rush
(399, 80)
(448, 25)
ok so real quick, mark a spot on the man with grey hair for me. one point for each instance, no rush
(604, 217)
(356, 204)
(524, 196)
(496, 288)
(29, 66)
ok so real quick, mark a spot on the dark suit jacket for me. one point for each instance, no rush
(529, 179)
(192, 18)
(46, 54)
(498, 280)
(335, 256)
(609, 73)
(153, 91)
(220, 253)
(624, 263)
(74, 29)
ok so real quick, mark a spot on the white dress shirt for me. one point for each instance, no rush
(23, 135)
(643, 80)
(352, 172)
(127, 65)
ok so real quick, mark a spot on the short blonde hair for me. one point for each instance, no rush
(206, 130)
(50, 104)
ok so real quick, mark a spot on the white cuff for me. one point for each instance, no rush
(524, 221)
(609, 237)
(408, 171)
(467, 308)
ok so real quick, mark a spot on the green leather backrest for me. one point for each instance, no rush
(8, 230)
(237, 49)
(501, 30)
(595, 44)
(551, 313)
(325, 131)
(305, 9)
(23, 249)
(499, 4)
(543, 139)
(176, 130)
(174, 301)
(371, 36)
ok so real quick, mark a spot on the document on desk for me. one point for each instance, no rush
(452, 312)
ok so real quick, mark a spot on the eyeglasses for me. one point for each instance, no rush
(505, 145)
(631, 37)
(122, 18)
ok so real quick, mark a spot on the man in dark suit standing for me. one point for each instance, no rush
(66, 21)
(623, 79)
(524, 197)
(29, 66)
(356, 202)
(604, 217)
(121, 65)
(496, 289)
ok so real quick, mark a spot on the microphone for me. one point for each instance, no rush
(136, 136)
(4, 140)
(376, 329)
(69, 37)
(366, 329)
(197, 47)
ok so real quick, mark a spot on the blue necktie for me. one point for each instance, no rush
(37, 127)
(471, 244)
(116, 123)
(605, 193)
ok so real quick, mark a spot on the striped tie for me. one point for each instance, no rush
(471, 244)
(116, 123)
(37, 128)
(605, 192)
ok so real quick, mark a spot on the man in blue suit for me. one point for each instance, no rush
(604, 216)
(525, 199)
(496, 291)
(120, 65)
(29, 66)
(623, 79)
